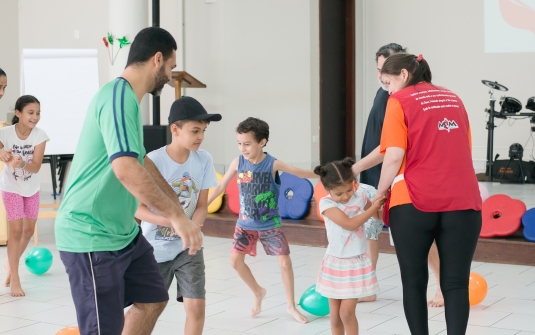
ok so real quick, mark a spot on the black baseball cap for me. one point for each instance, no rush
(187, 108)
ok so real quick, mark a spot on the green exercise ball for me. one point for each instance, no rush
(39, 260)
(314, 303)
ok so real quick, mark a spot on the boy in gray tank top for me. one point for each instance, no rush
(259, 219)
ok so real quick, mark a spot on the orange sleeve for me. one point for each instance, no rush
(394, 132)
(470, 137)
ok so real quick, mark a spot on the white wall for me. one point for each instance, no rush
(450, 35)
(9, 55)
(52, 24)
(256, 59)
(171, 20)
(315, 81)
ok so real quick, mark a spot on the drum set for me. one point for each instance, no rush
(510, 108)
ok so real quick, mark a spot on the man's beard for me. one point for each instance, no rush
(159, 82)
(383, 86)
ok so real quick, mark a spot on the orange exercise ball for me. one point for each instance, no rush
(319, 192)
(69, 331)
(477, 288)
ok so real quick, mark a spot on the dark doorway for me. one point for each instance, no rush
(337, 79)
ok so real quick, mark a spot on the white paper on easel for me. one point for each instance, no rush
(64, 81)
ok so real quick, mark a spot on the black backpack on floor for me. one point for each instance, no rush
(512, 171)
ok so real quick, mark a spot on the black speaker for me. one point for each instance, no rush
(516, 151)
(155, 137)
(510, 105)
(531, 104)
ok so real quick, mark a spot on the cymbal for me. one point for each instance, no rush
(494, 85)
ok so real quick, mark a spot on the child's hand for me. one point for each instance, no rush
(5, 156)
(379, 194)
(378, 203)
(17, 162)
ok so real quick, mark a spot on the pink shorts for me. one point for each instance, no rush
(19, 207)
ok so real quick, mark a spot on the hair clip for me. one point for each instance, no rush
(419, 58)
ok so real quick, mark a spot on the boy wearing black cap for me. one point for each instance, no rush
(189, 171)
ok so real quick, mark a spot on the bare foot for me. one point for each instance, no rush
(8, 274)
(438, 300)
(369, 298)
(292, 310)
(258, 302)
(16, 289)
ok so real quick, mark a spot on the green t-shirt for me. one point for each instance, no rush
(97, 212)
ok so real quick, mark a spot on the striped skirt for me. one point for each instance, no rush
(347, 278)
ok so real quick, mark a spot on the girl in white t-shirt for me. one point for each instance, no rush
(22, 147)
(347, 273)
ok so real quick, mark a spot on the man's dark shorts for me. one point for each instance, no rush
(104, 283)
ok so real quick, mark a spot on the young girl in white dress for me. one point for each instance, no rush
(347, 273)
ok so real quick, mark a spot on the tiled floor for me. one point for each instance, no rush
(509, 307)
(524, 192)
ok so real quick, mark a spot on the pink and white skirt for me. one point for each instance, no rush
(347, 278)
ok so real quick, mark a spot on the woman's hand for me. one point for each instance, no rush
(377, 207)
(380, 195)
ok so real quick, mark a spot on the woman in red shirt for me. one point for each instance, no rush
(426, 141)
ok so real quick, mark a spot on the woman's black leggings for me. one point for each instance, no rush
(456, 234)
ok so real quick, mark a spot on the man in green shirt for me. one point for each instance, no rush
(109, 262)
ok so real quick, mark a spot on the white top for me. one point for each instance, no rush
(345, 243)
(187, 180)
(20, 181)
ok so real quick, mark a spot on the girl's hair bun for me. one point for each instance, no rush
(320, 170)
(348, 162)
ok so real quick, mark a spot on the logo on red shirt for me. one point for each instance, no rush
(447, 125)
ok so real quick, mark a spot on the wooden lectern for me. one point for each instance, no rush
(182, 79)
